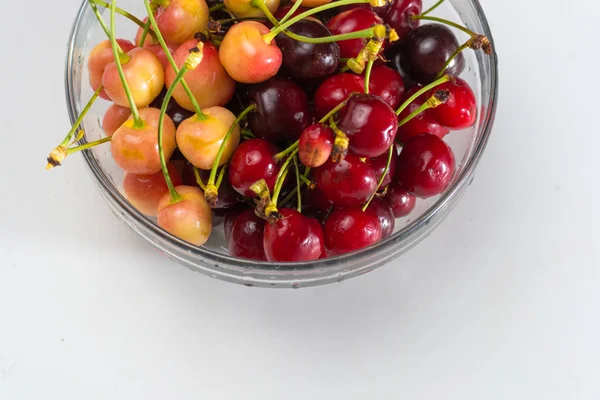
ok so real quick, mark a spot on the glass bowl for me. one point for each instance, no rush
(212, 259)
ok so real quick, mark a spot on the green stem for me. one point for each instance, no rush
(436, 5)
(298, 185)
(362, 34)
(291, 12)
(295, 191)
(368, 75)
(277, 30)
(199, 179)
(281, 178)
(265, 10)
(336, 109)
(138, 123)
(89, 145)
(159, 37)
(445, 21)
(425, 106)
(84, 112)
(213, 172)
(94, 7)
(144, 34)
(126, 14)
(216, 8)
(452, 57)
(382, 178)
(175, 197)
(221, 177)
(280, 156)
(427, 88)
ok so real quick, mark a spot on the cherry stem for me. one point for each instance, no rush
(382, 178)
(295, 191)
(199, 179)
(445, 21)
(277, 30)
(138, 123)
(89, 145)
(374, 31)
(298, 176)
(281, 178)
(126, 14)
(84, 112)
(94, 7)
(280, 156)
(427, 88)
(216, 8)
(439, 97)
(221, 176)
(368, 75)
(160, 38)
(144, 34)
(433, 7)
(452, 57)
(291, 12)
(265, 10)
(336, 109)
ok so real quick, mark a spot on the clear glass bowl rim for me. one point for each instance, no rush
(305, 273)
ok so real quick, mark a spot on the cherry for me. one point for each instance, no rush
(313, 3)
(315, 145)
(425, 122)
(282, 110)
(425, 166)
(401, 202)
(209, 83)
(370, 124)
(348, 183)
(292, 238)
(227, 197)
(351, 229)
(114, 117)
(230, 217)
(335, 90)
(283, 10)
(200, 138)
(245, 8)
(245, 54)
(179, 20)
(246, 236)
(100, 56)
(423, 52)
(400, 13)
(160, 53)
(352, 20)
(177, 113)
(252, 161)
(189, 218)
(380, 11)
(144, 74)
(302, 60)
(380, 163)
(135, 149)
(387, 84)
(460, 110)
(146, 191)
(382, 210)
(314, 199)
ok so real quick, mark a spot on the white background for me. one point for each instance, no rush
(501, 302)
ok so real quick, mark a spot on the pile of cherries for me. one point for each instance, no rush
(310, 127)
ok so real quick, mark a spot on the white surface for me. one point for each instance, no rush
(501, 302)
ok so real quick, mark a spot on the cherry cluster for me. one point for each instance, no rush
(311, 126)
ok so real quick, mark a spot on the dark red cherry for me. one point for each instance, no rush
(425, 122)
(352, 20)
(230, 217)
(315, 199)
(335, 90)
(293, 238)
(382, 210)
(303, 60)
(351, 229)
(400, 13)
(246, 238)
(177, 113)
(380, 11)
(423, 52)
(370, 123)
(425, 166)
(460, 110)
(401, 202)
(282, 110)
(316, 145)
(387, 84)
(283, 10)
(379, 163)
(252, 161)
(348, 183)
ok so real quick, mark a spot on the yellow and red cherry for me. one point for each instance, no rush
(114, 117)
(144, 192)
(100, 56)
(180, 20)
(246, 8)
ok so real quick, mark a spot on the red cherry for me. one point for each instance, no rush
(316, 145)
(145, 191)
(400, 13)
(352, 20)
(314, 199)
(252, 161)
(230, 218)
(387, 84)
(401, 202)
(370, 123)
(425, 166)
(382, 210)
(246, 237)
(350, 229)
(425, 122)
(348, 183)
(336, 89)
(379, 163)
(293, 238)
(460, 110)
